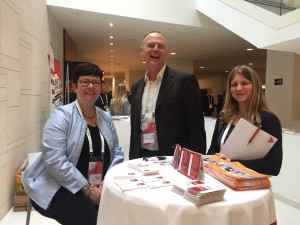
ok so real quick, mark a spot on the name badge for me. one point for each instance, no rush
(148, 134)
(95, 172)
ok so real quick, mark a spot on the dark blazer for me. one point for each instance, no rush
(271, 163)
(178, 114)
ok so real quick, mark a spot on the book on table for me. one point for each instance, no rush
(191, 164)
(235, 175)
(204, 193)
(180, 188)
(176, 157)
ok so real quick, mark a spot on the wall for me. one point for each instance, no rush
(286, 184)
(70, 48)
(135, 75)
(283, 98)
(27, 33)
(188, 14)
(216, 82)
(296, 90)
(185, 66)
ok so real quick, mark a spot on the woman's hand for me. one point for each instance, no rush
(95, 194)
(222, 156)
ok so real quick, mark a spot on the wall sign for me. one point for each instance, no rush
(278, 81)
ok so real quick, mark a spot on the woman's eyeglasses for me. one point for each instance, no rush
(86, 83)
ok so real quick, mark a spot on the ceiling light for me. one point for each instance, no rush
(249, 49)
(111, 37)
(111, 50)
(250, 64)
(111, 24)
(144, 62)
(173, 53)
(111, 43)
(201, 67)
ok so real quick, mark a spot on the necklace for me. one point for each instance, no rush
(90, 117)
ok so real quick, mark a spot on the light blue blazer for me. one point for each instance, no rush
(62, 142)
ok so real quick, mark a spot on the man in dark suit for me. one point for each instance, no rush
(166, 107)
(208, 103)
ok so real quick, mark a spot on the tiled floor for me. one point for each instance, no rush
(286, 215)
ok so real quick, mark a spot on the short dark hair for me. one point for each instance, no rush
(85, 69)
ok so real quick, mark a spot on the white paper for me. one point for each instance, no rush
(237, 147)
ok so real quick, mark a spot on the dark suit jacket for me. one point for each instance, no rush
(178, 114)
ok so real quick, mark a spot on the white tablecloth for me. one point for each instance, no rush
(161, 206)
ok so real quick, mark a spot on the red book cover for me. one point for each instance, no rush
(176, 157)
(184, 161)
(195, 170)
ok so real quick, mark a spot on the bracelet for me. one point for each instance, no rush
(86, 189)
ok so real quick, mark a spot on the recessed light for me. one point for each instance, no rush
(249, 49)
(111, 37)
(173, 53)
(111, 24)
(144, 62)
(201, 67)
(250, 64)
(111, 43)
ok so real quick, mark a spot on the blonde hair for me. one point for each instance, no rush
(120, 95)
(257, 101)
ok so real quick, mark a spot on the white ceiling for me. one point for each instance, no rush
(211, 46)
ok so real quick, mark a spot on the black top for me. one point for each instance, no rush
(83, 162)
(271, 163)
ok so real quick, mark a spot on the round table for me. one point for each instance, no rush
(161, 206)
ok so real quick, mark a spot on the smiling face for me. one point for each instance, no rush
(241, 89)
(89, 94)
(153, 50)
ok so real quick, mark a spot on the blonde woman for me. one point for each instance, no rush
(245, 99)
(119, 106)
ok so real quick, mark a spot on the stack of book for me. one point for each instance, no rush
(235, 174)
(145, 168)
(148, 170)
(141, 182)
(198, 192)
(138, 164)
(128, 184)
(204, 193)
(180, 188)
